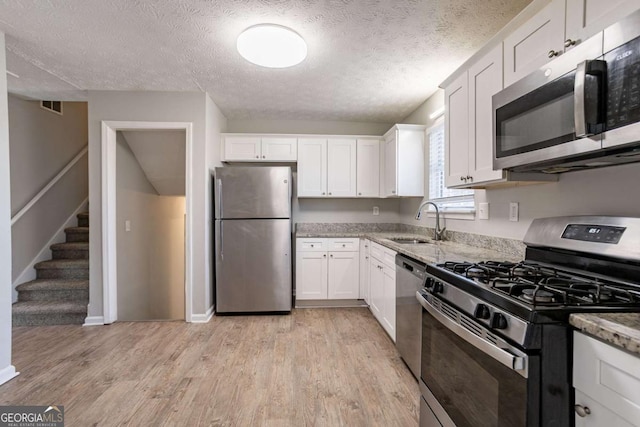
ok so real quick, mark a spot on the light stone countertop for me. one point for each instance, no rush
(619, 329)
(429, 253)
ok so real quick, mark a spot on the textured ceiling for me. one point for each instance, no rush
(368, 60)
(161, 155)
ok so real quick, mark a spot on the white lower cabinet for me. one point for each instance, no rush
(364, 269)
(607, 383)
(382, 287)
(327, 269)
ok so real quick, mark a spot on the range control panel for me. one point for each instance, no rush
(593, 233)
(623, 70)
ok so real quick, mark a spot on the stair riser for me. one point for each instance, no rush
(55, 295)
(69, 254)
(83, 222)
(63, 273)
(77, 237)
(48, 319)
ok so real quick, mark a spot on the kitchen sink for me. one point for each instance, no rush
(410, 241)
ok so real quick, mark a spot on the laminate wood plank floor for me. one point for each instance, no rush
(315, 367)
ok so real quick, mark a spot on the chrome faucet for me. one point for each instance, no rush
(438, 233)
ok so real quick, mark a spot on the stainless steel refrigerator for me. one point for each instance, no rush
(252, 235)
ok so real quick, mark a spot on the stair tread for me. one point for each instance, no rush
(76, 246)
(63, 264)
(49, 307)
(53, 284)
(83, 215)
(76, 230)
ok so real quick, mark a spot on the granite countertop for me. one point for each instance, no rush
(619, 329)
(433, 252)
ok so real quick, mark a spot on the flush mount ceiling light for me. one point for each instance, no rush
(271, 45)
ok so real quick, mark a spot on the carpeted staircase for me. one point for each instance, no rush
(60, 293)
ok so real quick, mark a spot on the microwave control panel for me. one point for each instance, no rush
(623, 76)
(593, 233)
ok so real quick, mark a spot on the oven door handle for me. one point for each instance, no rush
(511, 361)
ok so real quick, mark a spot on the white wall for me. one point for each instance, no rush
(150, 255)
(7, 371)
(42, 143)
(606, 191)
(308, 126)
(155, 106)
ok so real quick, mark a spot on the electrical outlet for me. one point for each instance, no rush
(513, 211)
(483, 210)
(127, 225)
(376, 210)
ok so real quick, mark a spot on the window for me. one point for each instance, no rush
(53, 106)
(447, 199)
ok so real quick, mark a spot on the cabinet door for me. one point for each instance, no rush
(389, 302)
(311, 275)
(530, 46)
(312, 167)
(586, 17)
(390, 165)
(344, 275)
(376, 288)
(485, 80)
(282, 149)
(368, 168)
(456, 131)
(245, 148)
(364, 270)
(341, 167)
(598, 415)
(410, 162)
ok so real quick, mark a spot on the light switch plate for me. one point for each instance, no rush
(483, 210)
(514, 211)
(127, 225)
(376, 210)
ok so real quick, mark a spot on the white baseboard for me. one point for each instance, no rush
(93, 321)
(8, 373)
(29, 273)
(202, 318)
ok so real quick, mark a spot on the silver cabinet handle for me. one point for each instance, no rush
(393, 191)
(470, 178)
(324, 256)
(323, 193)
(359, 194)
(264, 157)
(311, 245)
(344, 246)
(568, 43)
(552, 53)
(366, 257)
(462, 178)
(582, 411)
(329, 193)
(331, 255)
(257, 157)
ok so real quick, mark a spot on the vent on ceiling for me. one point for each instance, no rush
(53, 106)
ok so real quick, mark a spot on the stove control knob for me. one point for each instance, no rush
(498, 321)
(481, 312)
(428, 283)
(438, 288)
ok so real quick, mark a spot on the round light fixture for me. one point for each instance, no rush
(271, 45)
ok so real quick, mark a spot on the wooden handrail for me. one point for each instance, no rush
(51, 183)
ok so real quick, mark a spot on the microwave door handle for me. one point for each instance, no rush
(511, 361)
(588, 98)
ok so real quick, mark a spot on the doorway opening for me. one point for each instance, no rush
(146, 221)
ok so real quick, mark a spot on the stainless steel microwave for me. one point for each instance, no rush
(579, 111)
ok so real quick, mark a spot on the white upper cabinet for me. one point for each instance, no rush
(404, 161)
(280, 149)
(312, 167)
(456, 131)
(587, 17)
(535, 43)
(258, 148)
(241, 148)
(341, 167)
(368, 168)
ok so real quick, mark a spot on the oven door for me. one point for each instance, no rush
(470, 377)
(553, 113)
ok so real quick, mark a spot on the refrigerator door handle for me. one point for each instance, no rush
(220, 197)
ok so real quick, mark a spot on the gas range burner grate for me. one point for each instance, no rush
(545, 286)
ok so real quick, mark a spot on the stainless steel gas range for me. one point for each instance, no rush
(496, 343)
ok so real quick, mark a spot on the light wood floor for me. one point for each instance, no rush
(316, 367)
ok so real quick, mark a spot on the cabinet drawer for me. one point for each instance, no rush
(608, 375)
(598, 415)
(344, 245)
(389, 258)
(311, 245)
(377, 251)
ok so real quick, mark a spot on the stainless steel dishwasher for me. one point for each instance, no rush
(410, 277)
